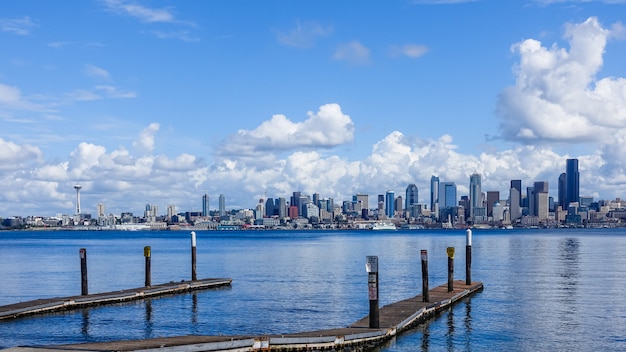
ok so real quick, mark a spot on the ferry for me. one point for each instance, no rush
(384, 226)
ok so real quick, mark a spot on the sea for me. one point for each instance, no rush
(544, 290)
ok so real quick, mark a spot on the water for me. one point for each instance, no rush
(557, 290)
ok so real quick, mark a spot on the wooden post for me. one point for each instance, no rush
(84, 287)
(371, 266)
(425, 294)
(468, 257)
(146, 253)
(193, 256)
(450, 251)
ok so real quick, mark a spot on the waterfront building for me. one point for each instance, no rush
(398, 205)
(434, 196)
(381, 203)
(562, 190)
(515, 200)
(389, 204)
(447, 195)
(475, 196)
(270, 208)
(205, 205)
(222, 205)
(492, 198)
(411, 200)
(364, 200)
(572, 186)
(281, 204)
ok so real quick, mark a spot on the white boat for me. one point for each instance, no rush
(384, 226)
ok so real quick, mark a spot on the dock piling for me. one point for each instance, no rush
(371, 266)
(193, 256)
(84, 287)
(468, 257)
(147, 254)
(424, 255)
(450, 252)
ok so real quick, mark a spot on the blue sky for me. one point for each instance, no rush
(160, 102)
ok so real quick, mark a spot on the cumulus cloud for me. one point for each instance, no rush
(557, 96)
(14, 156)
(304, 34)
(146, 138)
(328, 127)
(19, 26)
(353, 52)
(126, 182)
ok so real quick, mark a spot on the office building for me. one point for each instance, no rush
(475, 196)
(434, 196)
(562, 191)
(389, 204)
(515, 200)
(493, 197)
(572, 182)
(205, 205)
(447, 195)
(222, 205)
(411, 200)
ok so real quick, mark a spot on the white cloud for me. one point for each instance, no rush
(15, 157)
(146, 138)
(304, 34)
(97, 72)
(143, 13)
(328, 127)
(19, 26)
(410, 50)
(558, 96)
(353, 52)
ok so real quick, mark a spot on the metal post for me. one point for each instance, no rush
(425, 294)
(146, 253)
(84, 287)
(468, 257)
(371, 266)
(193, 256)
(450, 251)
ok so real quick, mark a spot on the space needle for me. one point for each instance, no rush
(77, 187)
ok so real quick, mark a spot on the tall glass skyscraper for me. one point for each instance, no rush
(222, 205)
(475, 193)
(572, 186)
(411, 199)
(434, 196)
(205, 205)
(447, 192)
(389, 204)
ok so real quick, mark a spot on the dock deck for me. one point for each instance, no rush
(49, 305)
(393, 318)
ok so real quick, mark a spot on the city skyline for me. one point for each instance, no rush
(160, 102)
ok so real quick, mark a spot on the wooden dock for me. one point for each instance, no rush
(49, 305)
(393, 318)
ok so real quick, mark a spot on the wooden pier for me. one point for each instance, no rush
(394, 319)
(49, 305)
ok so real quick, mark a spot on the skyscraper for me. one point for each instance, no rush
(411, 200)
(205, 205)
(572, 186)
(434, 196)
(447, 194)
(517, 184)
(222, 205)
(493, 197)
(562, 191)
(475, 193)
(515, 199)
(389, 204)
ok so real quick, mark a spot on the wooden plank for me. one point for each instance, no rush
(41, 306)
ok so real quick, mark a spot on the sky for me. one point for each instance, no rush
(159, 102)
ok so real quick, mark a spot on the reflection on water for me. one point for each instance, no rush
(542, 288)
